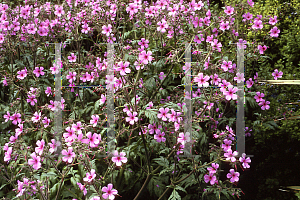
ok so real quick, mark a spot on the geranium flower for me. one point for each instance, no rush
(245, 161)
(48, 91)
(72, 57)
(54, 145)
(262, 49)
(109, 192)
(68, 155)
(123, 68)
(259, 96)
(230, 93)
(234, 176)
(183, 138)
(7, 154)
(131, 117)
(231, 156)
(145, 57)
(227, 145)
(273, 21)
(274, 32)
(210, 178)
(90, 176)
(82, 187)
(94, 120)
(36, 117)
(39, 71)
(214, 168)
(46, 122)
(106, 29)
(159, 137)
(92, 139)
(239, 77)
(229, 10)
(16, 118)
(264, 104)
(40, 147)
(277, 74)
(163, 113)
(119, 158)
(35, 161)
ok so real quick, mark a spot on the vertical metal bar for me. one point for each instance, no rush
(188, 92)
(240, 121)
(58, 111)
(110, 101)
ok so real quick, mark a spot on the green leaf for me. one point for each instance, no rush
(175, 196)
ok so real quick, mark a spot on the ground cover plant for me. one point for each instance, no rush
(150, 103)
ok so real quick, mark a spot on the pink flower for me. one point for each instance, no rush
(214, 168)
(94, 120)
(273, 21)
(230, 93)
(90, 176)
(92, 139)
(46, 121)
(274, 32)
(159, 137)
(277, 74)
(119, 158)
(22, 74)
(259, 96)
(70, 134)
(72, 57)
(71, 76)
(77, 127)
(231, 156)
(250, 3)
(202, 81)
(31, 99)
(103, 99)
(1, 38)
(145, 57)
(229, 10)
(161, 76)
(48, 91)
(163, 113)
(262, 49)
(5, 81)
(183, 138)
(68, 155)
(234, 176)
(36, 117)
(106, 29)
(131, 117)
(210, 178)
(40, 147)
(82, 187)
(16, 118)
(162, 26)
(7, 155)
(39, 71)
(59, 10)
(257, 24)
(123, 68)
(227, 145)
(264, 104)
(240, 77)
(35, 161)
(144, 42)
(20, 129)
(245, 161)
(109, 192)
(226, 65)
(54, 145)
(249, 83)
